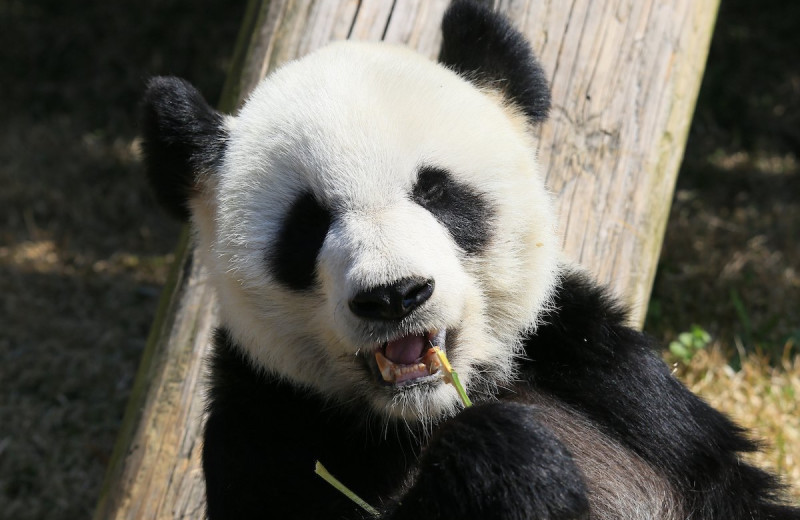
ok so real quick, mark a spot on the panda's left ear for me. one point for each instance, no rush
(184, 140)
(483, 47)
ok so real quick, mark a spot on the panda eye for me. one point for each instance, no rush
(430, 185)
(293, 259)
(464, 211)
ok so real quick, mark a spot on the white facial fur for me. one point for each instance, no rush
(352, 124)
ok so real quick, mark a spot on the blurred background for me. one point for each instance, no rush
(84, 252)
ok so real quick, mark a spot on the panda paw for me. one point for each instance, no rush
(495, 461)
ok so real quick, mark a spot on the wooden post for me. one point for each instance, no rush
(625, 76)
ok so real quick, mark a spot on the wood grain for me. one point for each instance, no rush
(625, 76)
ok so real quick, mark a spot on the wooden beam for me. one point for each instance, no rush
(625, 76)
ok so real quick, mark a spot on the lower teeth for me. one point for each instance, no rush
(394, 373)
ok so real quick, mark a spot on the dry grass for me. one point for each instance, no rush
(761, 397)
(83, 251)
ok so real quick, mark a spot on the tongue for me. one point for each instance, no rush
(406, 350)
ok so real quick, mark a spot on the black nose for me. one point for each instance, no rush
(393, 301)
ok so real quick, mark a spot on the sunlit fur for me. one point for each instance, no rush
(344, 123)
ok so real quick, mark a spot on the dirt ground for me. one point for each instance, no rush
(84, 252)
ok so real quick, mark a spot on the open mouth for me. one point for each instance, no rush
(409, 360)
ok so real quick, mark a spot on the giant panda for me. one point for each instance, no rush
(365, 204)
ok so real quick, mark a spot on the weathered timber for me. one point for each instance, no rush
(625, 76)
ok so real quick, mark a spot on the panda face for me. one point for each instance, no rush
(370, 203)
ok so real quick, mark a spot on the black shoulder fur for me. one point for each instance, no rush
(588, 357)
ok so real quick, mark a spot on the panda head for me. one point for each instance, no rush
(366, 203)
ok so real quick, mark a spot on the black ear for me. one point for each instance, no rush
(483, 47)
(184, 138)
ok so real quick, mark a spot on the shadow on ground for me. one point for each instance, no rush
(83, 250)
(731, 255)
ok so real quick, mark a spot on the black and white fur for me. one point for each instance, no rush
(363, 195)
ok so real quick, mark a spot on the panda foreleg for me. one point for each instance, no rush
(495, 461)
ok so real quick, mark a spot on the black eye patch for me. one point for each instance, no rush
(294, 257)
(463, 211)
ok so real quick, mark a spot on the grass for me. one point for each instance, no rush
(762, 396)
(84, 251)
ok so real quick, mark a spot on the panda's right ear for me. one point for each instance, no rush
(184, 140)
